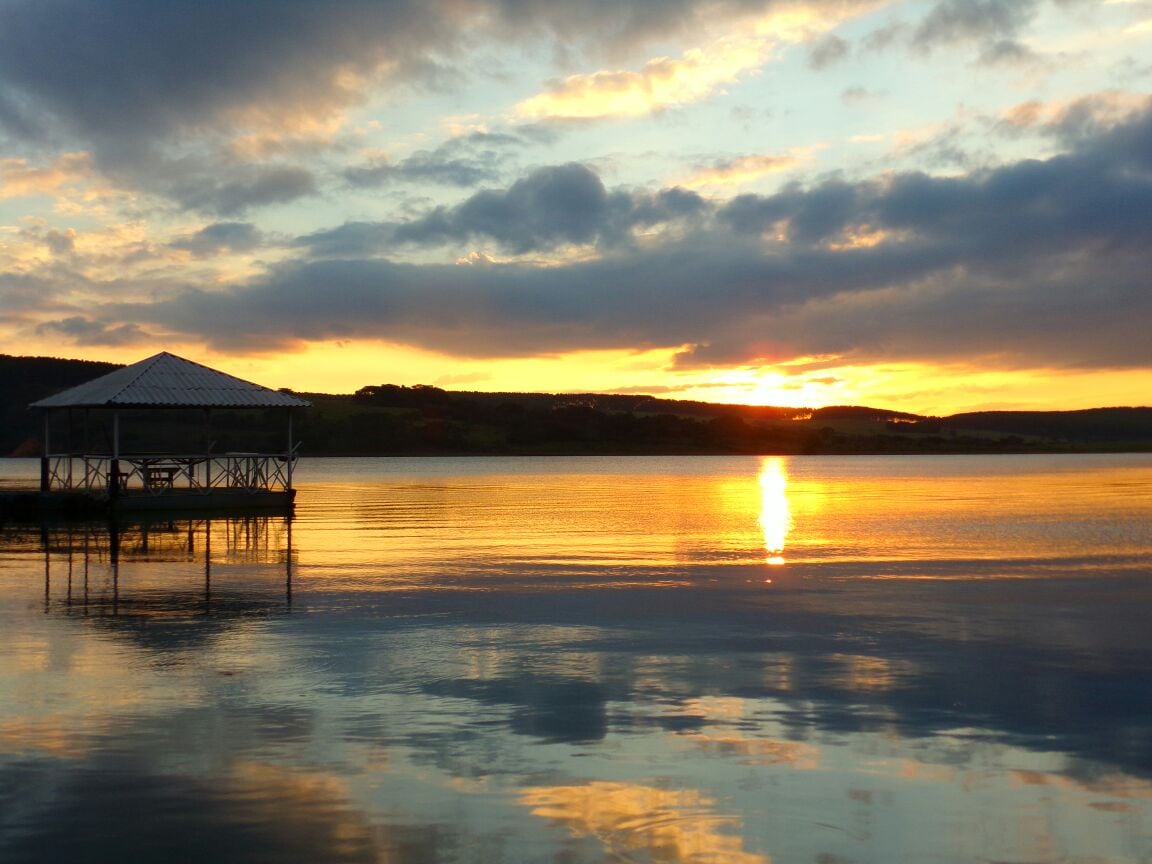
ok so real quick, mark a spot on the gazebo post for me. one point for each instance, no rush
(207, 448)
(45, 474)
(114, 464)
(289, 472)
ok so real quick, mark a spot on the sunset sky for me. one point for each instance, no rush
(934, 206)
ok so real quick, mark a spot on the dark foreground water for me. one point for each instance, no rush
(720, 660)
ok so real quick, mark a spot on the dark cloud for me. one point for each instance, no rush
(242, 189)
(492, 310)
(120, 68)
(981, 20)
(806, 215)
(609, 27)
(350, 240)
(84, 331)
(828, 50)
(156, 91)
(21, 292)
(1008, 52)
(221, 237)
(554, 206)
(104, 70)
(1041, 261)
(993, 25)
(1085, 119)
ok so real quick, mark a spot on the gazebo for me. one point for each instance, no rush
(146, 439)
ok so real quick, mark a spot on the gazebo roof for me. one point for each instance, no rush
(167, 381)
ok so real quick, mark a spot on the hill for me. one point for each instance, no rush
(26, 379)
(388, 419)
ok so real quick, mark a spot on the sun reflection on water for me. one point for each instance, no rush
(775, 515)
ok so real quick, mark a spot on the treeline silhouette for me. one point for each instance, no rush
(389, 419)
(24, 380)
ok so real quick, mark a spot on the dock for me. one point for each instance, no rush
(145, 438)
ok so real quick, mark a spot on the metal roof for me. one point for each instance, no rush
(167, 381)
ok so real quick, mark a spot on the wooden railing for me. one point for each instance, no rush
(162, 474)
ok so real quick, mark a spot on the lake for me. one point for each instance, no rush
(699, 660)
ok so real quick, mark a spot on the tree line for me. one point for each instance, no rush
(390, 419)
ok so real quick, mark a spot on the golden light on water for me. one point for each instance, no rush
(775, 515)
(636, 821)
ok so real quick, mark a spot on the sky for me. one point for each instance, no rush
(933, 206)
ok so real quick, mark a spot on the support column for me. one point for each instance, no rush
(45, 472)
(114, 463)
(290, 454)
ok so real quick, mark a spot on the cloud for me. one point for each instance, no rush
(86, 332)
(220, 237)
(805, 216)
(205, 104)
(467, 160)
(21, 179)
(121, 67)
(828, 50)
(493, 311)
(744, 169)
(1076, 120)
(553, 207)
(350, 240)
(243, 189)
(661, 84)
(1034, 262)
(615, 28)
(973, 20)
(668, 82)
(858, 95)
(1008, 52)
(991, 25)
(124, 70)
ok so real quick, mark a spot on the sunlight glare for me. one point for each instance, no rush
(775, 515)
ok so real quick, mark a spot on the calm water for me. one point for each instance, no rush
(715, 660)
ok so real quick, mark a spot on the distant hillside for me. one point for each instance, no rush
(388, 419)
(1096, 424)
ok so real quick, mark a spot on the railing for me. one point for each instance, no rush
(159, 475)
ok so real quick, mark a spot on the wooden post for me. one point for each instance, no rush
(289, 449)
(45, 473)
(114, 463)
(207, 448)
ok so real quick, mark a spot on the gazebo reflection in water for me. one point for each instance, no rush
(168, 568)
